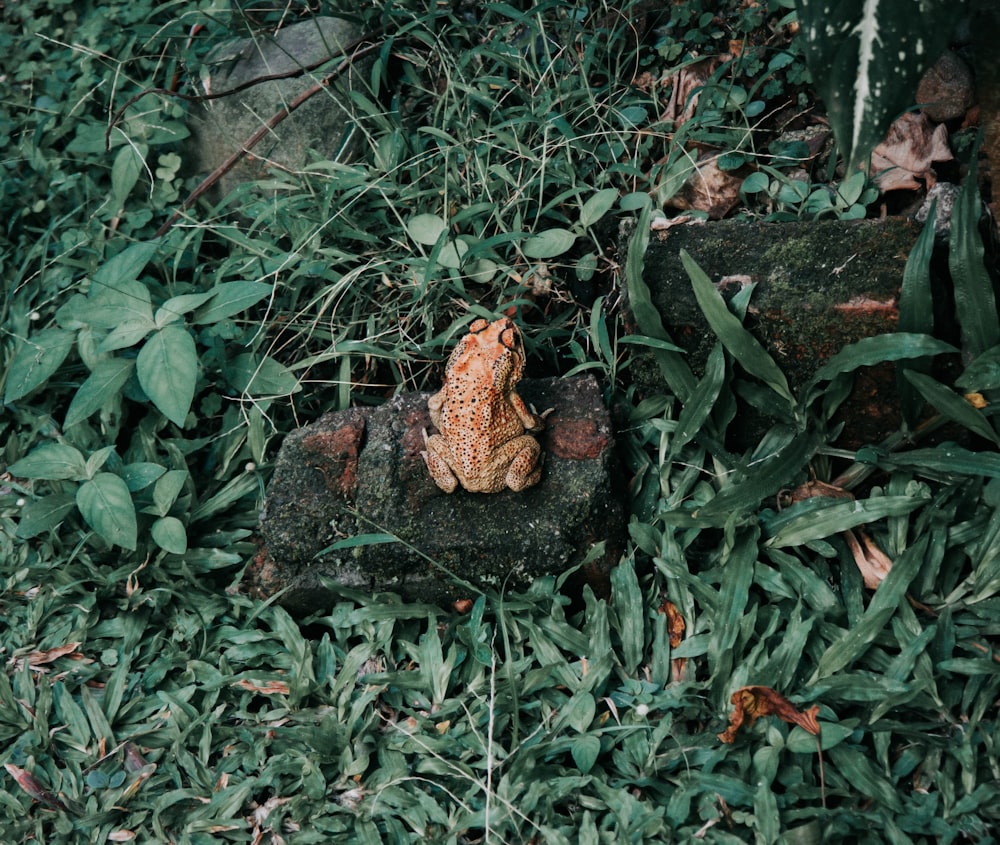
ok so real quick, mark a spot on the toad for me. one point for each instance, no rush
(482, 420)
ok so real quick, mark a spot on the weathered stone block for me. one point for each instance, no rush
(323, 124)
(819, 287)
(360, 472)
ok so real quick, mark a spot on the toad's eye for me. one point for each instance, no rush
(508, 338)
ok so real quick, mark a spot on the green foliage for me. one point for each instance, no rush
(147, 380)
(866, 57)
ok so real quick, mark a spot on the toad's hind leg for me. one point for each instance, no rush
(435, 456)
(526, 468)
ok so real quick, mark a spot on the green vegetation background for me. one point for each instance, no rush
(148, 382)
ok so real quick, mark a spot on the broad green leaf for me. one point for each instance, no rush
(52, 461)
(106, 506)
(451, 254)
(983, 373)
(769, 476)
(230, 298)
(827, 517)
(843, 651)
(699, 406)
(870, 351)
(549, 243)
(425, 229)
(140, 475)
(975, 300)
(597, 205)
(125, 172)
(951, 405)
(857, 770)
(579, 711)
(125, 266)
(37, 358)
(169, 534)
(40, 515)
(177, 306)
(944, 459)
(866, 57)
(916, 313)
(127, 334)
(99, 389)
(167, 488)
(800, 741)
(672, 365)
(742, 345)
(167, 367)
(585, 751)
(626, 597)
(261, 377)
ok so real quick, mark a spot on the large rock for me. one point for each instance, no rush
(819, 287)
(360, 472)
(301, 54)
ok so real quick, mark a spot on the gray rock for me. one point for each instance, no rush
(819, 287)
(360, 472)
(945, 91)
(323, 125)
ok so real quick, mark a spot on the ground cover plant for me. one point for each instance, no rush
(745, 682)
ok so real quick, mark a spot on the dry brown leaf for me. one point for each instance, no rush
(753, 702)
(675, 629)
(686, 81)
(709, 188)
(871, 560)
(265, 688)
(37, 659)
(27, 782)
(903, 160)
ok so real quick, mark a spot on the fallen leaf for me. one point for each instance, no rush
(709, 188)
(37, 659)
(687, 83)
(39, 793)
(675, 629)
(265, 688)
(753, 702)
(903, 160)
(871, 560)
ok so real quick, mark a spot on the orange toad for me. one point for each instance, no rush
(482, 443)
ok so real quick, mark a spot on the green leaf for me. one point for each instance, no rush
(983, 373)
(52, 461)
(843, 651)
(177, 306)
(630, 613)
(579, 711)
(128, 333)
(975, 300)
(857, 770)
(585, 751)
(125, 172)
(425, 229)
(951, 405)
(230, 298)
(549, 243)
(800, 741)
(167, 488)
(597, 205)
(870, 351)
(866, 57)
(672, 365)
(699, 406)
(742, 345)
(37, 358)
(944, 459)
(261, 377)
(826, 517)
(125, 266)
(167, 367)
(40, 515)
(106, 506)
(99, 389)
(768, 476)
(169, 534)
(140, 475)
(916, 313)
